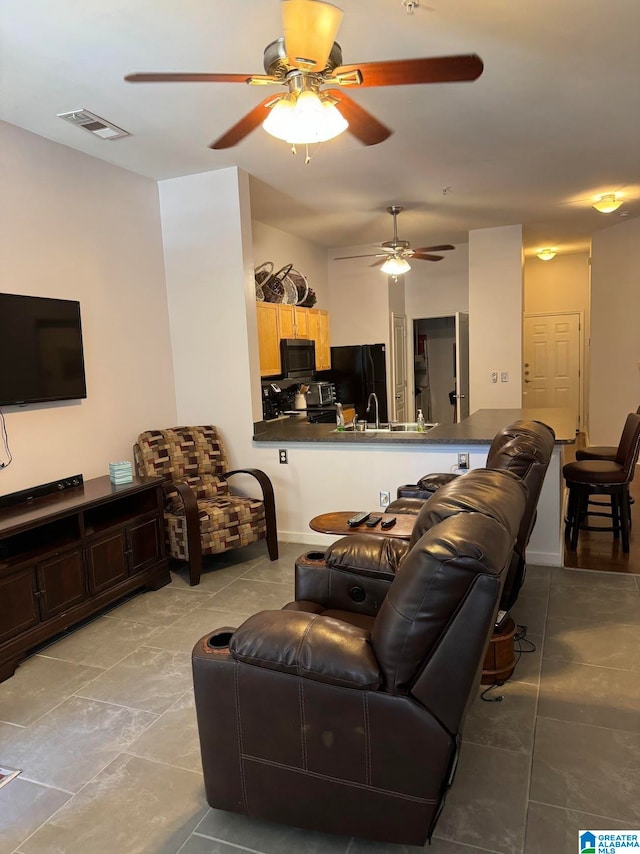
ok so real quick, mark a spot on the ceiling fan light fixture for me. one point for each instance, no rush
(310, 29)
(546, 254)
(304, 119)
(607, 203)
(395, 266)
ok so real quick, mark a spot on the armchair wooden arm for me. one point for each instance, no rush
(269, 506)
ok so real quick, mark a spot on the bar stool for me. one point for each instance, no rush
(588, 477)
(601, 452)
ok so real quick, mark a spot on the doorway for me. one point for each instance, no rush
(552, 361)
(441, 367)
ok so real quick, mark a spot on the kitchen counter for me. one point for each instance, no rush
(477, 429)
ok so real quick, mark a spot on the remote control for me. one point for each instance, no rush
(356, 520)
(388, 523)
(372, 521)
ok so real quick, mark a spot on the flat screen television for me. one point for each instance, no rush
(41, 355)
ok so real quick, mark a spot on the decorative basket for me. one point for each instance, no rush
(274, 287)
(261, 274)
(301, 285)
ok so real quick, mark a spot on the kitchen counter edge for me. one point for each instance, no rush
(478, 429)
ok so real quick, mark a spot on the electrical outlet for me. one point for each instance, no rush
(283, 456)
(463, 461)
(494, 376)
(385, 498)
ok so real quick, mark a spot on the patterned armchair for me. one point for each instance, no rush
(202, 516)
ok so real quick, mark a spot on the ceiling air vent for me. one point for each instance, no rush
(94, 124)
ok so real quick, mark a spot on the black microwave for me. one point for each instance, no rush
(297, 357)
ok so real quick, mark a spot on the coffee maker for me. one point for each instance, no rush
(275, 401)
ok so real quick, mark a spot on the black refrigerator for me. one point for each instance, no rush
(357, 371)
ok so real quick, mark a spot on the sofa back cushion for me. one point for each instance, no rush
(441, 572)
(475, 491)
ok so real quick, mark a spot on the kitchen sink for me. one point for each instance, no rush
(394, 427)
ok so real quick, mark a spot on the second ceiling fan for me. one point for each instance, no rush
(394, 254)
(307, 60)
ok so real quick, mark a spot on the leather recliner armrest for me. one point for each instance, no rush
(366, 555)
(308, 645)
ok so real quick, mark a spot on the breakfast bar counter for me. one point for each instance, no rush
(329, 470)
(477, 429)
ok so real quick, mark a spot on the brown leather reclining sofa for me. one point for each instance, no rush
(345, 716)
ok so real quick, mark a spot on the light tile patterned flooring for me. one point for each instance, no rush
(102, 723)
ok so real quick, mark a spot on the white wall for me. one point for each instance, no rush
(358, 299)
(615, 339)
(439, 288)
(206, 225)
(495, 317)
(272, 244)
(75, 227)
(561, 284)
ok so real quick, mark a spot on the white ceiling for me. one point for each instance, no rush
(553, 121)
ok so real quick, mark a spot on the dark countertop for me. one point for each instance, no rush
(478, 429)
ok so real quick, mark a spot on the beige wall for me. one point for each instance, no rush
(74, 227)
(561, 284)
(495, 317)
(615, 336)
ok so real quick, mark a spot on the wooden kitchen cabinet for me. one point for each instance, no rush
(276, 321)
(268, 320)
(319, 332)
(294, 321)
(67, 555)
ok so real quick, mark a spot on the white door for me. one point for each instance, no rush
(462, 366)
(399, 366)
(552, 361)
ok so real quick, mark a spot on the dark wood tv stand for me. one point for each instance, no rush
(66, 556)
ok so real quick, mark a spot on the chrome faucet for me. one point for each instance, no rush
(368, 409)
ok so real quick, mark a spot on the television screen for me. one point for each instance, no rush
(41, 355)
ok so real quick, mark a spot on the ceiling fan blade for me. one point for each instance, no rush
(310, 28)
(362, 124)
(435, 248)
(246, 124)
(347, 257)
(422, 256)
(402, 72)
(188, 77)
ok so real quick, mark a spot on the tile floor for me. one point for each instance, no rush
(102, 724)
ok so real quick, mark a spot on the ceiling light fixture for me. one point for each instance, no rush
(607, 203)
(395, 266)
(303, 118)
(546, 254)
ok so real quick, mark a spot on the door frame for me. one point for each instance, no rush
(391, 394)
(411, 374)
(582, 426)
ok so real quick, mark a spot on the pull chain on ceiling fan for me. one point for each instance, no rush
(306, 60)
(394, 255)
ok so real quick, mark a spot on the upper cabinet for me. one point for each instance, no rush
(276, 321)
(268, 338)
(294, 321)
(319, 332)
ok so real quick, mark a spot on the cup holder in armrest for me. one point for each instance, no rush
(315, 556)
(220, 640)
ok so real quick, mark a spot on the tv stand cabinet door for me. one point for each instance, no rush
(18, 603)
(107, 560)
(62, 582)
(145, 544)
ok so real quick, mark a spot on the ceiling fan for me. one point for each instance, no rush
(306, 61)
(395, 253)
